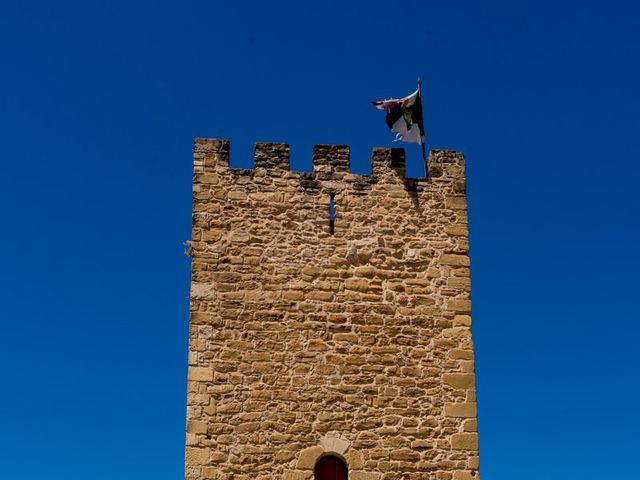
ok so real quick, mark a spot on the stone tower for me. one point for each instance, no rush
(330, 317)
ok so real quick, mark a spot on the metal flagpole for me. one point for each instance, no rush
(424, 153)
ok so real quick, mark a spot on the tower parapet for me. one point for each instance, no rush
(316, 332)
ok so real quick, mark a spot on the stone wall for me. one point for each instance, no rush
(304, 342)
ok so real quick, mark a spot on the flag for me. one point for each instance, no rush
(404, 116)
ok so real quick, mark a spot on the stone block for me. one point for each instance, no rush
(320, 295)
(346, 337)
(470, 425)
(200, 374)
(309, 456)
(196, 426)
(197, 456)
(210, 473)
(358, 284)
(335, 445)
(457, 332)
(405, 454)
(463, 475)
(458, 202)
(355, 460)
(362, 475)
(454, 260)
(192, 439)
(462, 306)
(462, 320)
(464, 441)
(462, 410)
(421, 444)
(457, 229)
(459, 380)
(236, 195)
(297, 475)
(457, 354)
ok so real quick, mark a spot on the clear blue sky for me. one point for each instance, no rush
(99, 105)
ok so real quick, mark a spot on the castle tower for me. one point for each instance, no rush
(330, 329)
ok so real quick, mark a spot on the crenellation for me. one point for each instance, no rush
(307, 342)
(210, 153)
(330, 162)
(274, 157)
(388, 161)
(448, 166)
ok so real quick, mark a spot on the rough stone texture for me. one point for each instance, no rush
(305, 343)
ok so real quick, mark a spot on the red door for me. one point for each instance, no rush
(330, 468)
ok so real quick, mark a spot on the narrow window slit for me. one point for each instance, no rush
(332, 214)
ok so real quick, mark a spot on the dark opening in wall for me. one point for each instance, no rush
(332, 214)
(330, 468)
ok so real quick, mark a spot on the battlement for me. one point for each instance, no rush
(331, 164)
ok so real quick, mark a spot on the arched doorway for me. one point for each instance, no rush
(330, 468)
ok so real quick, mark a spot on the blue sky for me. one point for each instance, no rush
(99, 105)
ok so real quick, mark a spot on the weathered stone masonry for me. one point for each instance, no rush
(305, 343)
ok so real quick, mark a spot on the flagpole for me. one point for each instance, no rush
(424, 153)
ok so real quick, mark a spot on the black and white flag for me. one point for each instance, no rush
(404, 117)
